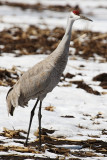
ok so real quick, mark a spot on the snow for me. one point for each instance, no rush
(66, 100)
(96, 10)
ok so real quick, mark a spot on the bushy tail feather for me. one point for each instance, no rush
(12, 110)
(10, 107)
(12, 98)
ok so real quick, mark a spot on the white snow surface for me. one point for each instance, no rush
(96, 10)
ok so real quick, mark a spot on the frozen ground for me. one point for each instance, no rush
(89, 111)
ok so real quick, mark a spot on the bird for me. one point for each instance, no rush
(42, 78)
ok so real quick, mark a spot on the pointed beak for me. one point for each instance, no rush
(85, 18)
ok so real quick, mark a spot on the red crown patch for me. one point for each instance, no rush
(76, 12)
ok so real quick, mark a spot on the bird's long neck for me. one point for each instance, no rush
(65, 42)
(59, 57)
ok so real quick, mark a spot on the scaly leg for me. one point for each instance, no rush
(39, 117)
(31, 117)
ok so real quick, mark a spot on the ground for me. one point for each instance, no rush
(74, 114)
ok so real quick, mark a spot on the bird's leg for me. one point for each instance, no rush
(31, 117)
(39, 117)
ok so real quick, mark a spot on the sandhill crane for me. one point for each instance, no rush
(42, 77)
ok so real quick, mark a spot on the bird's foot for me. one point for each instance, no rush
(39, 147)
(25, 144)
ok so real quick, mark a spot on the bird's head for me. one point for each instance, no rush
(76, 15)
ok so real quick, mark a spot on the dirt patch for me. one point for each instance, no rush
(87, 88)
(13, 133)
(69, 75)
(32, 41)
(43, 41)
(19, 157)
(8, 77)
(104, 132)
(68, 116)
(103, 79)
(92, 43)
(40, 7)
(50, 108)
(44, 132)
(103, 85)
(55, 145)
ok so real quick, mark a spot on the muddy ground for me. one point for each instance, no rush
(43, 41)
(90, 148)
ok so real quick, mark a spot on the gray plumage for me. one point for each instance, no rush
(44, 76)
(41, 78)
